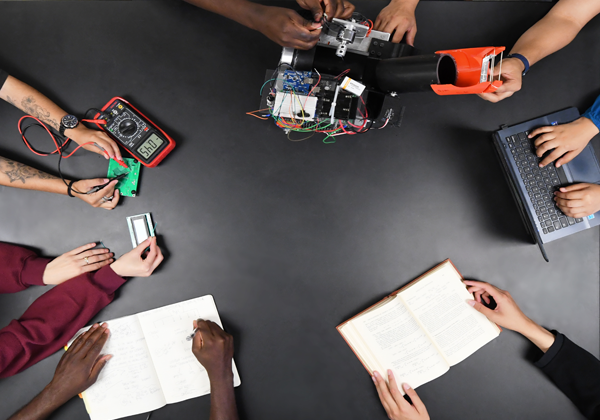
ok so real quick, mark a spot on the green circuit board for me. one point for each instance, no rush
(127, 186)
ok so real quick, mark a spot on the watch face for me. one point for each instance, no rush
(70, 121)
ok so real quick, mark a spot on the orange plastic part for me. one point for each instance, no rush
(468, 72)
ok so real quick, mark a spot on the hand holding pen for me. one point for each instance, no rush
(213, 348)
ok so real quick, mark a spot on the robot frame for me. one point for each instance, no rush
(350, 81)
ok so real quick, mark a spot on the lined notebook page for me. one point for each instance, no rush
(128, 384)
(181, 375)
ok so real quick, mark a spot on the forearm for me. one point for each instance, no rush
(40, 407)
(18, 175)
(242, 11)
(222, 399)
(556, 30)
(32, 102)
(538, 335)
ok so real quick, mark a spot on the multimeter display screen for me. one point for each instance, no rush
(150, 146)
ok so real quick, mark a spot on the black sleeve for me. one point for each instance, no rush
(575, 372)
(3, 77)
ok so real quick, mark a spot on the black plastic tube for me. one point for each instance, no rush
(415, 74)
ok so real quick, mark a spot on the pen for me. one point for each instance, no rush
(192, 335)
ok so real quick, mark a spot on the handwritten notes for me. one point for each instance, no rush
(165, 329)
(128, 384)
(152, 364)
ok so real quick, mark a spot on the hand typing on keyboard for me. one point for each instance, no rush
(566, 140)
(578, 200)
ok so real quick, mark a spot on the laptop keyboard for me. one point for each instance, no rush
(540, 184)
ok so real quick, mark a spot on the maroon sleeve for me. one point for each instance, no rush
(52, 320)
(20, 268)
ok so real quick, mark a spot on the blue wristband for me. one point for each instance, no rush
(523, 60)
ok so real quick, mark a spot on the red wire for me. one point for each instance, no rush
(370, 27)
(58, 148)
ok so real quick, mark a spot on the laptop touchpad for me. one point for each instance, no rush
(584, 168)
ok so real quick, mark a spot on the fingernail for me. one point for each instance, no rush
(558, 166)
(105, 325)
(105, 180)
(376, 374)
(374, 379)
(406, 387)
(471, 302)
(94, 326)
(106, 331)
(390, 373)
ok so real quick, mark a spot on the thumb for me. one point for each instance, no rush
(414, 398)
(574, 187)
(98, 366)
(315, 8)
(480, 308)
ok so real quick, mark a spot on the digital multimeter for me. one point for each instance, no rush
(135, 132)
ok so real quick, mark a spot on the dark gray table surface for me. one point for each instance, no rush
(293, 238)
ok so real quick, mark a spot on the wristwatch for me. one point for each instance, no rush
(523, 60)
(68, 122)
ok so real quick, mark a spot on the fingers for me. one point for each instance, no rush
(90, 341)
(299, 32)
(111, 204)
(414, 398)
(481, 308)
(567, 157)
(99, 337)
(158, 260)
(410, 36)
(555, 154)
(92, 252)
(81, 249)
(79, 342)
(203, 328)
(384, 394)
(541, 130)
(315, 8)
(153, 250)
(395, 391)
(348, 10)
(98, 366)
(574, 187)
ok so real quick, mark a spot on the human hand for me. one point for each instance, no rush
(512, 76)
(286, 27)
(578, 200)
(213, 348)
(398, 16)
(333, 8)
(396, 407)
(133, 264)
(99, 142)
(73, 263)
(507, 313)
(567, 140)
(107, 197)
(80, 366)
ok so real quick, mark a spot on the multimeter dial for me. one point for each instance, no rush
(127, 127)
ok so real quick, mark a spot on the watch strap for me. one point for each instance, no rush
(524, 60)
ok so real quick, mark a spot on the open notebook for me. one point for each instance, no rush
(421, 330)
(152, 364)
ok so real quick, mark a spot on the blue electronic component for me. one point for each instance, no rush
(298, 81)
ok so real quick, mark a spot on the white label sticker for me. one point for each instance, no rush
(353, 86)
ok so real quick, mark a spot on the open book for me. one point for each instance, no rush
(152, 364)
(420, 330)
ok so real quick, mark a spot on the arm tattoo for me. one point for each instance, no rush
(28, 105)
(11, 101)
(16, 171)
